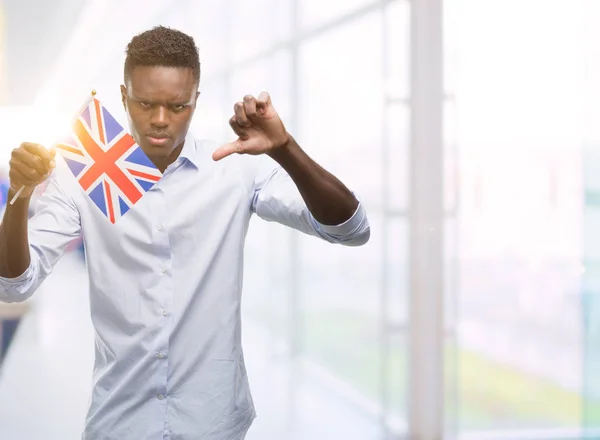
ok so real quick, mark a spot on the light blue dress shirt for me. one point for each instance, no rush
(165, 290)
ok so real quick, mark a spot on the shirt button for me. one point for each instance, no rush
(160, 355)
(164, 313)
(160, 397)
(160, 228)
(163, 270)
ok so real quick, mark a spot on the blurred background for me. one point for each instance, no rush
(468, 128)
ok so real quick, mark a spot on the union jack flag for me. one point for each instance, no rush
(107, 162)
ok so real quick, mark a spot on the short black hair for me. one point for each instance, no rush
(163, 46)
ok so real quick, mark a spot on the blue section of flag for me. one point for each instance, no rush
(75, 167)
(97, 196)
(124, 207)
(85, 115)
(112, 127)
(145, 184)
(139, 157)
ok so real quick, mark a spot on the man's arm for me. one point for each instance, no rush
(29, 249)
(326, 207)
(327, 198)
(54, 226)
(14, 241)
(30, 165)
(277, 198)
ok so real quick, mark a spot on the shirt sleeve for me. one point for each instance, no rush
(55, 224)
(276, 198)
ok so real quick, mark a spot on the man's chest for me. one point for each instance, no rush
(180, 213)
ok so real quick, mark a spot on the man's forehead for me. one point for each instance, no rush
(141, 90)
(161, 77)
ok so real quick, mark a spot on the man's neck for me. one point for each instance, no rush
(163, 162)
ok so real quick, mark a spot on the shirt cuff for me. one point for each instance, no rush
(348, 227)
(20, 278)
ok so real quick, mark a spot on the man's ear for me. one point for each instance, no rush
(124, 96)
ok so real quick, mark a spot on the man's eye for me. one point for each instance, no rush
(144, 104)
(178, 107)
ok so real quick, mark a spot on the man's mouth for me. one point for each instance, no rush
(157, 139)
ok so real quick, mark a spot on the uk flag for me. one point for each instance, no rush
(107, 162)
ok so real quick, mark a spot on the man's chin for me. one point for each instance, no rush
(153, 150)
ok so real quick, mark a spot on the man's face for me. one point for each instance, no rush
(160, 102)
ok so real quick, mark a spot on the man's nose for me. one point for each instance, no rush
(160, 116)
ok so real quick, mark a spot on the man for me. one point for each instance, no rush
(166, 279)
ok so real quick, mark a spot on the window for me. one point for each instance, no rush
(313, 13)
(257, 26)
(340, 117)
(520, 219)
(397, 54)
(591, 182)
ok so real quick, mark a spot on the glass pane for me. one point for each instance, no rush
(3, 67)
(520, 222)
(451, 164)
(341, 325)
(395, 362)
(519, 324)
(397, 31)
(340, 97)
(272, 75)
(210, 23)
(312, 13)
(591, 168)
(591, 71)
(340, 117)
(591, 293)
(211, 116)
(395, 238)
(395, 320)
(257, 26)
(396, 159)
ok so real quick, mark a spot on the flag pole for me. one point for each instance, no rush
(87, 101)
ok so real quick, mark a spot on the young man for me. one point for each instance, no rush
(166, 279)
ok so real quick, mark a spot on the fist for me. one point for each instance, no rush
(258, 127)
(30, 165)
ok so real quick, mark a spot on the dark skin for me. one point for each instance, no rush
(160, 103)
(30, 165)
(261, 131)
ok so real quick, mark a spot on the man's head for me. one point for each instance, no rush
(162, 75)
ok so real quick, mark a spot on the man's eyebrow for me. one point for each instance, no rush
(176, 101)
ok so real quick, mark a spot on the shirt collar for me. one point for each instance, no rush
(189, 150)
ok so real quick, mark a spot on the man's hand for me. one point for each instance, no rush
(258, 126)
(30, 165)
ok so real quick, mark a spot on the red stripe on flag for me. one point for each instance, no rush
(104, 163)
(121, 147)
(109, 203)
(99, 121)
(69, 149)
(144, 175)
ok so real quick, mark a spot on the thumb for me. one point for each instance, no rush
(264, 97)
(263, 103)
(227, 149)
